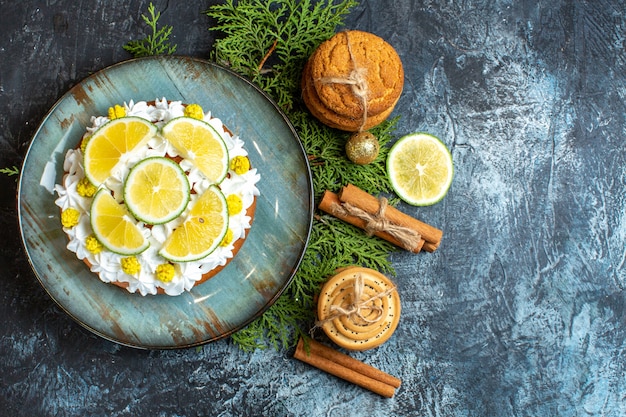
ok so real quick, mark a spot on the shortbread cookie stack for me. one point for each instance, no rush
(358, 308)
(352, 81)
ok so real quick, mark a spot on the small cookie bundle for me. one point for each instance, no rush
(352, 81)
(358, 308)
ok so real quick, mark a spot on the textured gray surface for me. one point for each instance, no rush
(521, 310)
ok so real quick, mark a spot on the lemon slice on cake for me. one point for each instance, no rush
(200, 143)
(202, 231)
(156, 190)
(114, 227)
(420, 169)
(111, 142)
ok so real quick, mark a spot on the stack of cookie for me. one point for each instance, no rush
(352, 81)
(358, 308)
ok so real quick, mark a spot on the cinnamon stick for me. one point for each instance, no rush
(355, 364)
(353, 195)
(330, 200)
(347, 368)
(430, 247)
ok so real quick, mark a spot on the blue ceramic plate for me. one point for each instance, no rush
(250, 283)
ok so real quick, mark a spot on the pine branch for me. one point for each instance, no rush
(333, 244)
(155, 43)
(269, 42)
(10, 171)
(330, 167)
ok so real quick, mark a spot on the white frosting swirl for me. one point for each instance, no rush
(107, 264)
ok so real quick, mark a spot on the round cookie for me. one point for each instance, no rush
(351, 73)
(331, 118)
(358, 308)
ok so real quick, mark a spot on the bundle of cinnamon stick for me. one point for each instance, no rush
(346, 367)
(372, 214)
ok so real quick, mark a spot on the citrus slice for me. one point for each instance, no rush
(156, 190)
(197, 141)
(111, 141)
(113, 226)
(202, 231)
(420, 169)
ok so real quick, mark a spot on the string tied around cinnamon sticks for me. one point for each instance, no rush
(408, 238)
(358, 305)
(350, 195)
(357, 80)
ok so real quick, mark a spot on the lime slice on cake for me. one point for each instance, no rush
(420, 169)
(202, 231)
(198, 142)
(156, 190)
(110, 142)
(114, 227)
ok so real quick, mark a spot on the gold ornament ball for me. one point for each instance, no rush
(362, 148)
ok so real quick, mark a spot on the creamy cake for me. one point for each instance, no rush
(148, 272)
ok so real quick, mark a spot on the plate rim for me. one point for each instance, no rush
(309, 180)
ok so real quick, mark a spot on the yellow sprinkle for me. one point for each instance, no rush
(93, 245)
(69, 217)
(85, 188)
(194, 111)
(165, 272)
(240, 164)
(234, 203)
(83, 143)
(130, 265)
(228, 237)
(116, 112)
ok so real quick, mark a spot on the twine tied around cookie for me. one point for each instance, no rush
(358, 304)
(357, 80)
(408, 238)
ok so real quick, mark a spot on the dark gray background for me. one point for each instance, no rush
(521, 312)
